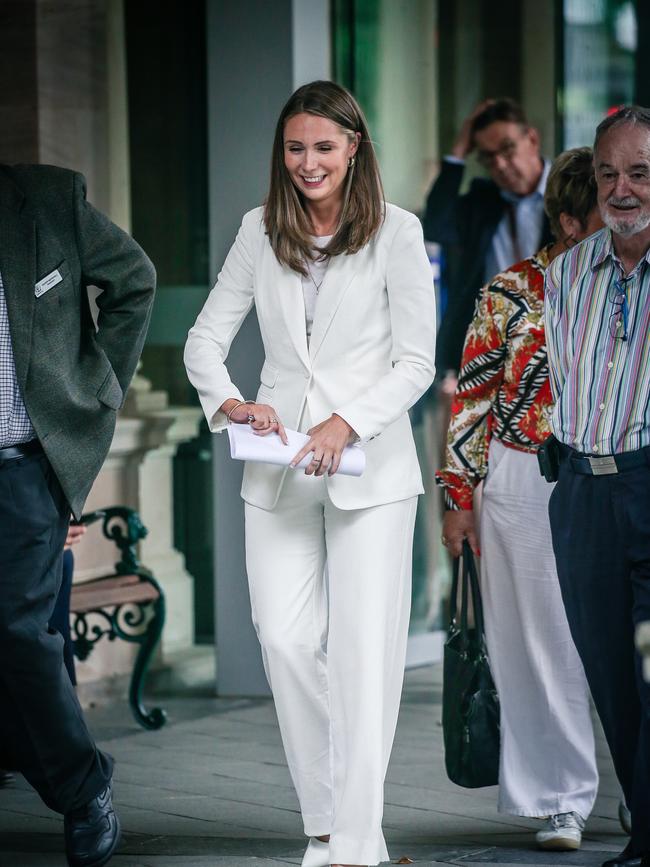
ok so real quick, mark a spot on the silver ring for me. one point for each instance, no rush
(273, 420)
(250, 418)
(444, 540)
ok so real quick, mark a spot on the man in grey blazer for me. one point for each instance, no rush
(62, 379)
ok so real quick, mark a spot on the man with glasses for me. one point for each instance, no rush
(498, 222)
(598, 338)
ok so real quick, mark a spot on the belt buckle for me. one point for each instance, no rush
(603, 465)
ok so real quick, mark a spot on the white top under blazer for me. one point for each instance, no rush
(370, 357)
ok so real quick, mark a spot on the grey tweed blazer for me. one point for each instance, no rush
(73, 377)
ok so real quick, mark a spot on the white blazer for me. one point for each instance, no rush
(370, 357)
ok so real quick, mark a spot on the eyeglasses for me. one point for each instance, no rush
(618, 320)
(506, 151)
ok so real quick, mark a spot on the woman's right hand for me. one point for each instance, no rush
(265, 419)
(457, 526)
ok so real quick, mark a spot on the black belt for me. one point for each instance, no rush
(605, 465)
(12, 453)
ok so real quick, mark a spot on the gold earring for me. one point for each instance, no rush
(351, 162)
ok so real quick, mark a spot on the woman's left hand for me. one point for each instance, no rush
(327, 441)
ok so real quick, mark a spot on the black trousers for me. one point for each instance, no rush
(60, 619)
(42, 730)
(601, 538)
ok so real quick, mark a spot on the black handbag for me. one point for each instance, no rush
(470, 705)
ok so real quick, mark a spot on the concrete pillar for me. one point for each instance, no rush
(258, 52)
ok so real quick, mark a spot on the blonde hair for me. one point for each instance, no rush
(286, 219)
(570, 188)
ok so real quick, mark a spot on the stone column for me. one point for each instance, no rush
(170, 428)
(138, 473)
(164, 428)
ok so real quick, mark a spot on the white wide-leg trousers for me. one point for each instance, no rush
(334, 644)
(548, 762)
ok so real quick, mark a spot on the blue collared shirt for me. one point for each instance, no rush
(600, 381)
(15, 424)
(529, 217)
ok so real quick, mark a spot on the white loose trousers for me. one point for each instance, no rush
(334, 644)
(548, 762)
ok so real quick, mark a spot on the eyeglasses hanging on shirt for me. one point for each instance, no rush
(619, 318)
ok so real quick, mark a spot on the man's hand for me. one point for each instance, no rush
(75, 532)
(464, 144)
(327, 441)
(457, 526)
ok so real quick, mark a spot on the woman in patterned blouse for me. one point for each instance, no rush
(500, 416)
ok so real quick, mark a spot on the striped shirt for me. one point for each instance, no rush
(15, 425)
(601, 382)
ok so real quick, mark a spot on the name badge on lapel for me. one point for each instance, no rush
(44, 285)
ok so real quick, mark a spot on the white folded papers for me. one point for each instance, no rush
(248, 446)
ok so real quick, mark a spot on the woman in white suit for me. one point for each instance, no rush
(344, 297)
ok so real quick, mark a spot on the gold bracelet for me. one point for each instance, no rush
(236, 406)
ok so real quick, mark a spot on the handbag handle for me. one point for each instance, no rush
(453, 596)
(477, 601)
(466, 572)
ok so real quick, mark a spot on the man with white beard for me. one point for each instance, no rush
(598, 336)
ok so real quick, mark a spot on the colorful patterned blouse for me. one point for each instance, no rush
(503, 386)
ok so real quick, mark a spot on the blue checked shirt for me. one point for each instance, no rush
(600, 381)
(15, 425)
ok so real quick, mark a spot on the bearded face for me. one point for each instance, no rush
(622, 164)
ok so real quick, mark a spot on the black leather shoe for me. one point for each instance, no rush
(5, 778)
(92, 833)
(628, 858)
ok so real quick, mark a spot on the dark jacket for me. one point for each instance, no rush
(73, 378)
(464, 226)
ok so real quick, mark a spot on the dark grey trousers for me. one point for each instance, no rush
(42, 730)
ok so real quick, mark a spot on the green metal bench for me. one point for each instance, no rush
(128, 604)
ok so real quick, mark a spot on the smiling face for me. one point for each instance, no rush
(316, 154)
(622, 166)
(510, 153)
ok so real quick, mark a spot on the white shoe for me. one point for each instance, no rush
(317, 854)
(561, 832)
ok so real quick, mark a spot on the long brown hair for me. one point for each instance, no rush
(285, 217)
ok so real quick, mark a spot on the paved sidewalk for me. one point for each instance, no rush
(212, 788)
